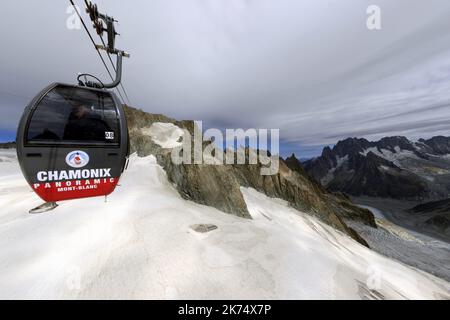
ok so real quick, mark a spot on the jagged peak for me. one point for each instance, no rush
(352, 142)
(326, 151)
(292, 157)
(435, 138)
(394, 138)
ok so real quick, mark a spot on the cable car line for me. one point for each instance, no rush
(112, 63)
(72, 139)
(109, 55)
(98, 19)
(117, 89)
(95, 45)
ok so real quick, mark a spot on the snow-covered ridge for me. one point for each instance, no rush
(166, 135)
(139, 244)
(389, 155)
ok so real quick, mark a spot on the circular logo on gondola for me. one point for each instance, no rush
(77, 159)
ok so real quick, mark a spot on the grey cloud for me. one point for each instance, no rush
(310, 68)
(396, 129)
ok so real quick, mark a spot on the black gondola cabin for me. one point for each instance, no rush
(72, 142)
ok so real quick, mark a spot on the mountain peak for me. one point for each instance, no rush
(439, 145)
(352, 141)
(292, 157)
(326, 151)
(390, 167)
(350, 146)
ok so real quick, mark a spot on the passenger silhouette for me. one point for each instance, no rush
(84, 125)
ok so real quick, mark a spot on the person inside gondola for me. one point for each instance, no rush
(85, 125)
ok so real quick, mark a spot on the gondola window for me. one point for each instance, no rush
(74, 115)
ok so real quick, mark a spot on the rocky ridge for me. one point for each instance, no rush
(219, 185)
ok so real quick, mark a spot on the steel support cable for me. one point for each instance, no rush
(110, 60)
(112, 63)
(93, 42)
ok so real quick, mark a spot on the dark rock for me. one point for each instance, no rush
(440, 222)
(210, 185)
(294, 164)
(442, 206)
(433, 216)
(438, 145)
(203, 228)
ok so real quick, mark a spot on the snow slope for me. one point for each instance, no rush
(164, 134)
(139, 244)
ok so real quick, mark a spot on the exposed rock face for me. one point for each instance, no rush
(219, 185)
(210, 185)
(439, 222)
(378, 177)
(442, 206)
(203, 228)
(437, 145)
(303, 193)
(393, 167)
(295, 164)
(434, 215)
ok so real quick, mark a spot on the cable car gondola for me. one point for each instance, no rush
(72, 140)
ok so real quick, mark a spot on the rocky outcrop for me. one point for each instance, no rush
(210, 185)
(442, 206)
(437, 145)
(203, 228)
(440, 222)
(295, 164)
(219, 185)
(434, 215)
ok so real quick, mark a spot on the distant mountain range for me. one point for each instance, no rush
(7, 145)
(393, 167)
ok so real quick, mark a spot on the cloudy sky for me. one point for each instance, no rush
(310, 68)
